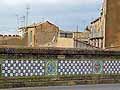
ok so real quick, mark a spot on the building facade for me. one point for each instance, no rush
(65, 39)
(105, 31)
(82, 36)
(11, 41)
(112, 26)
(41, 35)
(96, 33)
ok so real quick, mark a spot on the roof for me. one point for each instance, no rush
(96, 20)
(61, 31)
(37, 24)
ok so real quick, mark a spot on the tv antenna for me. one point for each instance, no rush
(27, 15)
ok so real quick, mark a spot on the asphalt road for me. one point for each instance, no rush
(81, 87)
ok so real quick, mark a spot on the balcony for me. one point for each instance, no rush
(96, 35)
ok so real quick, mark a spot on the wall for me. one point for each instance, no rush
(112, 29)
(65, 42)
(31, 37)
(83, 45)
(28, 67)
(37, 62)
(11, 41)
(45, 34)
(82, 36)
(96, 33)
(15, 68)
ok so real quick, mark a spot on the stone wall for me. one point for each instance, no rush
(11, 40)
(112, 30)
(46, 34)
(41, 67)
(23, 67)
(65, 42)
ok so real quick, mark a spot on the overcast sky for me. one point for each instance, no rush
(66, 14)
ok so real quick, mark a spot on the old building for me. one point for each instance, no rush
(112, 21)
(40, 35)
(65, 39)
(11, 41)
(81, 36)
(97, 29)
(105, 31)
(96, 33)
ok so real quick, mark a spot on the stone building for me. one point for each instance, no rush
(112, 24)
(11, 41)
(79, 40)
(65, 39)
(82, 36)
(40, 35)
(105, 31)
(96, 33)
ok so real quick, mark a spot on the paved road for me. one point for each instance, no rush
(81, 87)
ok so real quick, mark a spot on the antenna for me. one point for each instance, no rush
(27, 15)
(17, 17)
(42, 19)
(76, 36)
(77, 28)
(23, 21)
(17, 21)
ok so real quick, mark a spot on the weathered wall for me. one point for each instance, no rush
(31, 37)
(65, 42)
(44, 67)
(57, 66)
(57, 61)
(112, 31)
(11, 41)
(46, 34)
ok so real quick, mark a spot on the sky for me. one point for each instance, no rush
(66, 14)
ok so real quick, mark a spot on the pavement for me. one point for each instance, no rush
(79, 87)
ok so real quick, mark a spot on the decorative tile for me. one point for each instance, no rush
(74, 67)
(22, 68)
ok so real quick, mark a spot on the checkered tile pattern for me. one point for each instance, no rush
(23, 68)
(65, 67)
(74, 67)
(111, 67)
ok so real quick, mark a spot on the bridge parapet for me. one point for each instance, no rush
(59, 64)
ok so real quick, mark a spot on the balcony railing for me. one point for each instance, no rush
(96, 35)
